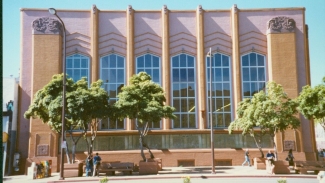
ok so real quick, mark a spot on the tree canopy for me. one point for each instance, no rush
(266, 113)
(312, 103)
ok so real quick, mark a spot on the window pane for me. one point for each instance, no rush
(182, 60)
(120, 62)
(261, 74)
(147, 60)
(155, 61)
(217, 89)
(148, 71)
(217, 60)
(176, 104)
(76, 63)
(191, 118)
(254, 88)
(140, 62)
(175, 61)
(183, 75)
(226, 89)
(84, 73)
(260, 60)
(104, 76)
(225, 60)
(176, 122)
(175, 75)
(191, 75)
(112, 91)
(69, 63)
(246, 90)
(184, 121)
(183, 90)
(252, 59)
(227, 119)
(245, 74)
(105, 62)
(245, 60)
(218, 76)
(184, 107)
(191, 103)
(190, 61)
(84, 63)
(253, 74)
(112, 61)
(112, 76)
(155, 75)
(225, 73)
(120, 76)
(191, 90)
(227, 106)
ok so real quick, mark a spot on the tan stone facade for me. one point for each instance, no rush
(166, 34)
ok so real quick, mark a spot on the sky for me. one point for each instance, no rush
(315, 15)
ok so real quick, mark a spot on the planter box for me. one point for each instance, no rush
(279, 167)
(259, 163)
(150, 167)
(73, 170)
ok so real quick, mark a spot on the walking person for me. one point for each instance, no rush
(96, 161)
(89, 166)
(247, 158)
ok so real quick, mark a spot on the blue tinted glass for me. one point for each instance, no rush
(260, 60)
(104, 76)
(140, 70)
(140, 62)
(182, 60)
(175, 90)
(120, 75)
(261, 74)
(253, 74)
(76, 75)
(112, 61)
(155, 61)
(183, 75)
(217, 60)
(76, 63)
(208, 75)
(191, 75)
(147, 60)
(208, 62)
(112, 76)
(120, 62)
(225, 73)
(175, 61)
(69, 73)
(261, 86)
(226, 89)
(175, 75)
(155, 75)
(105, 62)
(84, 63)
(84, 73)
(69, 63)
(246, 89)
(218, 76)
(245, 60)
(245, 74)
(191, 90)
(148, 71)
(190, 61)
(217, 89)
(225, 60)
(254, 88)
(252, 59)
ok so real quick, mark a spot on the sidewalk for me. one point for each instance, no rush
(169, 173)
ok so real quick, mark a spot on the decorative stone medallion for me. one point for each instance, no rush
(281, 24)
(46, 25)
(42, 150)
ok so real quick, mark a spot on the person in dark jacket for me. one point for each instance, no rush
(89, 166)
(96, 161)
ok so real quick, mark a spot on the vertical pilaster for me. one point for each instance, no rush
(282, 57)
(94, 44)
(46, 61)
(165, 61)
(236, 69)
(129, 52)
(201, 84)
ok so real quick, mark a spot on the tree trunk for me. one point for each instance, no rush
(274, 146)
(259, 147)
(67, 149)
(73, 152)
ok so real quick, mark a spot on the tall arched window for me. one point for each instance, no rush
(77, 67)
(221, 90)
(112, 72)
(253, 74)
(183, 91)
(151, 65)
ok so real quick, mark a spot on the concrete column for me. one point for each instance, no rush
(129, 53)
(200, 62)
(94, 44)
(282, 57)
(236, 69)
(47, 61)
(165, 62)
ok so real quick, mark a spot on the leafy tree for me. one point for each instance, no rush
(143, 100)
(266, 113)
(312, 103)
(84, 106)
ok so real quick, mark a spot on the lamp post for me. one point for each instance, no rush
(63, 142)
(211, 125)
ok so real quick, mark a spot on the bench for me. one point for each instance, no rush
(303, 166)
(279, 167)
(111, 168)
(259, 163)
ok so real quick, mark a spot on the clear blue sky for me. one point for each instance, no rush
(315, 15)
